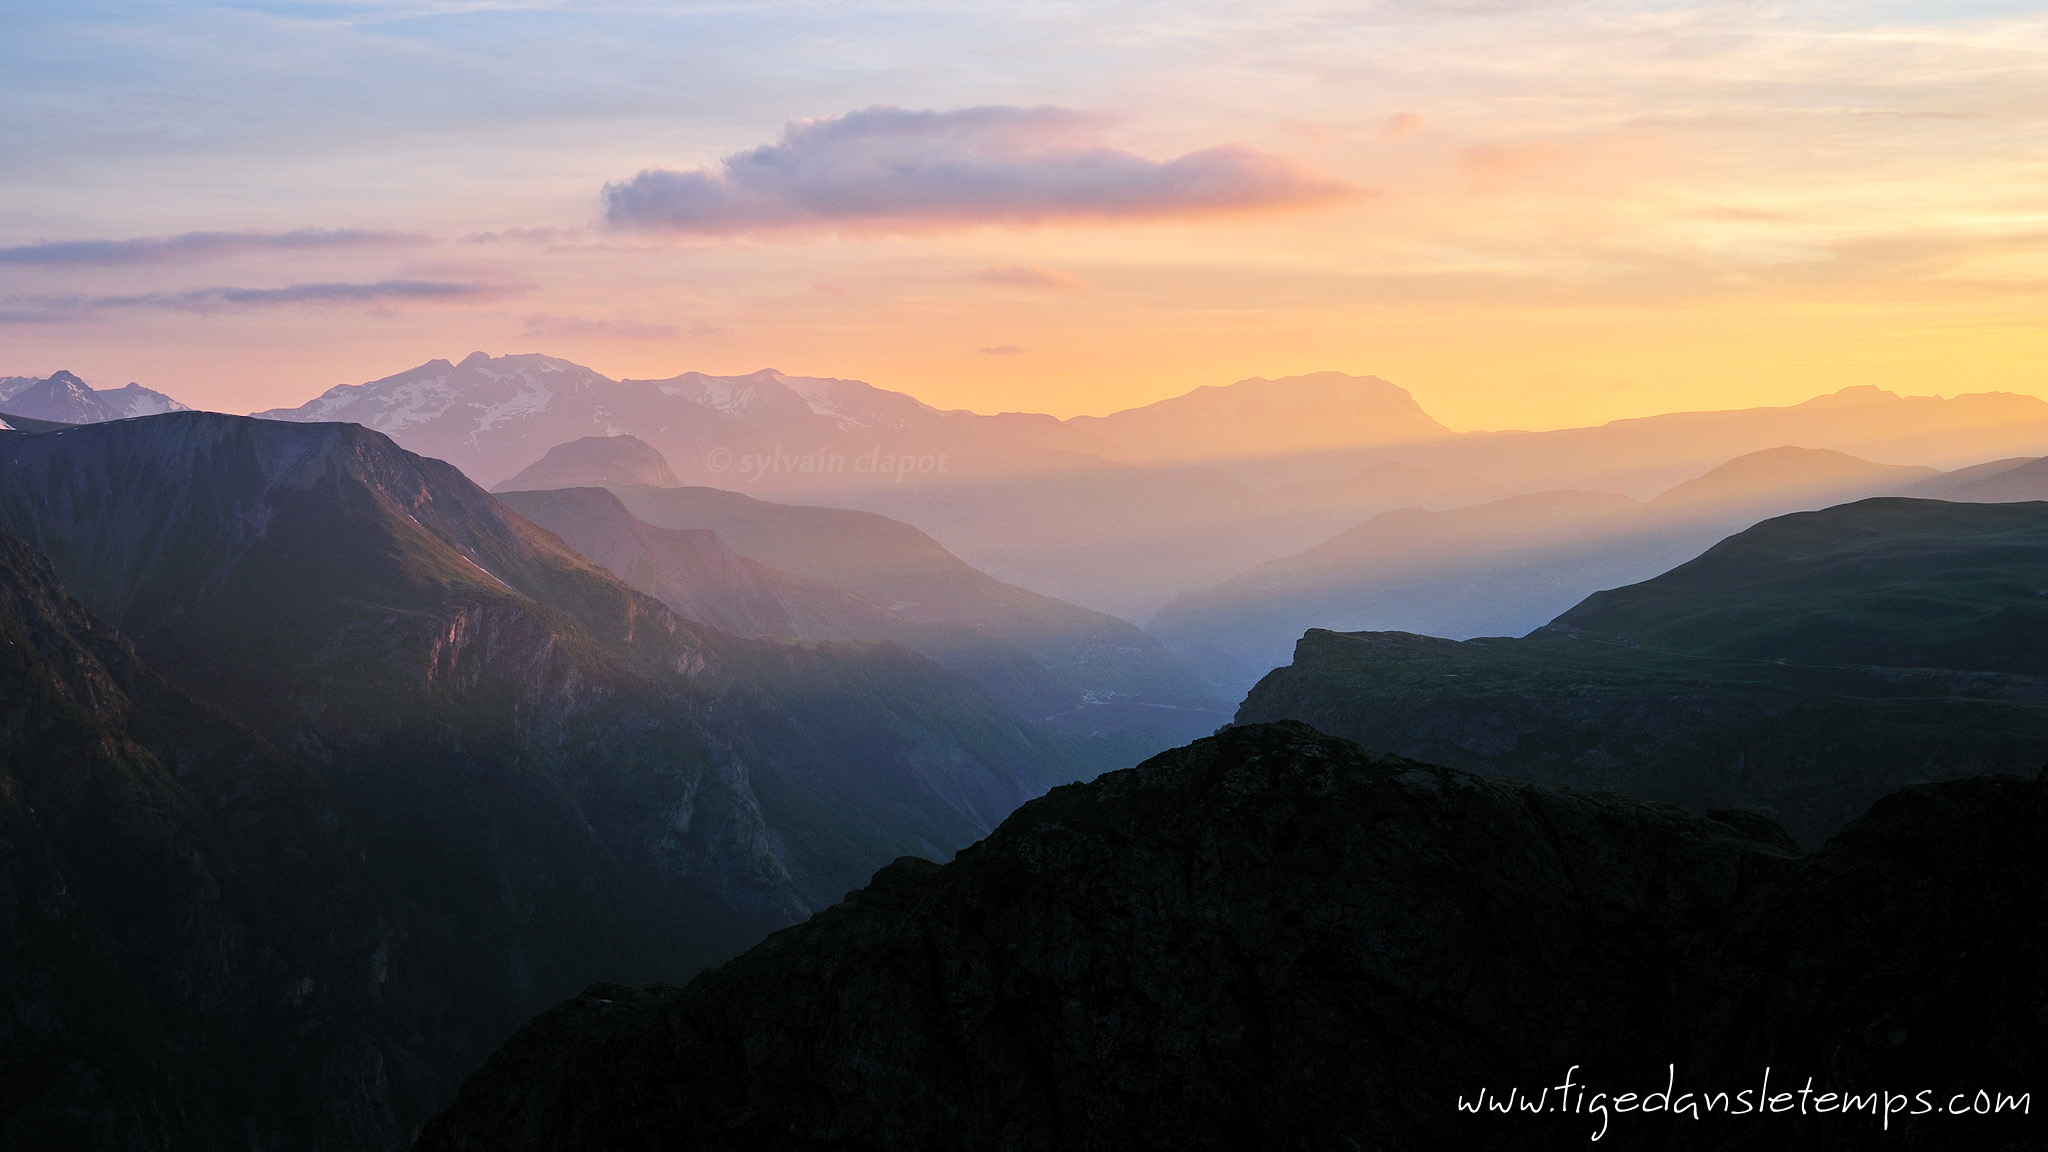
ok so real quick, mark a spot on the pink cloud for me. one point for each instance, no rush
(903, 169)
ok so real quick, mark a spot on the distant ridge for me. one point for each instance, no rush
(595, 461)
(1800, 669)
(63, 398)
(1260, 417)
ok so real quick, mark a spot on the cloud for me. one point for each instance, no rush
(224, 298)
(1004, 350)
(540, 324)
(195, 246)
(1029, 276)
(897, 168)
(526, 235)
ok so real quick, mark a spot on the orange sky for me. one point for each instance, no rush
(1529, 214)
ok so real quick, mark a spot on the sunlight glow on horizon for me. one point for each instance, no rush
(1554, 213)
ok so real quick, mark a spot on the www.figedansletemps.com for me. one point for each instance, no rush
(1570, 1097)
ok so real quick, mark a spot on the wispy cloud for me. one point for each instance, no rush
(222, 299)
(905, 169)
(225, 298)
(1003, 350)
(197, 246)
(540, 325)
(1029, 276)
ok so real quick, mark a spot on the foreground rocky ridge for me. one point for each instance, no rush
(1272, 939)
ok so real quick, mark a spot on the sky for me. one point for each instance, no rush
(1528, 214)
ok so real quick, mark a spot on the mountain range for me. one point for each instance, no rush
(323, 769)
(1106, 685)
(63, 398)
(1500, 568)
(561, 777)
(1122, 513)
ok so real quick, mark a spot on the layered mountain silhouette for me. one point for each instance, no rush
(1273, 939)
(1646, 455)
(902, 569)
(1999, 482)
(565, 778)
(322, 768)
(1801, 669)
(63, 398)
(696, 574)
(1121, 513)
(1499, 568)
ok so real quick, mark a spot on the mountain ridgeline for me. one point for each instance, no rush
(560, 777)
(760, 568)
(323, 769)
(62, 398)
(1801, 668)
(1273, 939)
(1122, 513)
(1502, 567)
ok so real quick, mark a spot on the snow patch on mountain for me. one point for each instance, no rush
(734, 396)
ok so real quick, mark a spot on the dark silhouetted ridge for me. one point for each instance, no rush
(1272, 939)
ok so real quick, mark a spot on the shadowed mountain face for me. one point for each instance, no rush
(65, 399)
(595, 461)
(1496, 569)
(693, 572)
(902, 569)
(1802, 669)
(567, 779)
(1272, 939)
(194, 952)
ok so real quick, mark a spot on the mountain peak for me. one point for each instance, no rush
(1258, 416)
(63, 398)
(595, 461)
